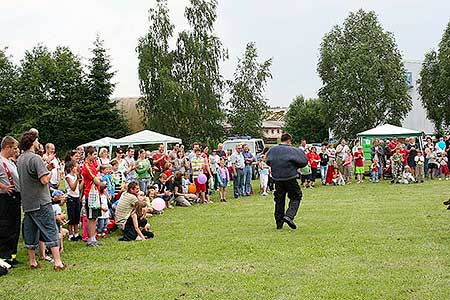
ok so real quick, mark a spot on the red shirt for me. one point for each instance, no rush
(404, 152)
(312, 157)
(160, 164)
(87, 177)
(168, 173)
(359, 159)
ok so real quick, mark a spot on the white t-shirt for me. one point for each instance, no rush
(76, 193)
(55, 170)
(104, 204)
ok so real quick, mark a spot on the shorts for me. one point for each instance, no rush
(359, 170)
(73, 210)
(224, 183)
(92, 214)
(40, 225)
(200, 187)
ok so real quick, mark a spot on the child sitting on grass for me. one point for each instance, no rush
(338, 179)
(181, 198)
(407, 176)
(136, 228)
(162, 191)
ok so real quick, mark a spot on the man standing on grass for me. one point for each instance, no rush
(39, 217)
(284, 161)
(10, 202)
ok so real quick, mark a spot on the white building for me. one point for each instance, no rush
(417, 117)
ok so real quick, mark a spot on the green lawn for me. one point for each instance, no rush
(367, 241)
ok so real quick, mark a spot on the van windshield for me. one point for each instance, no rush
(232, 145)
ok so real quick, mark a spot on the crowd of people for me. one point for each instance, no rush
(102, 193)
(398, 160)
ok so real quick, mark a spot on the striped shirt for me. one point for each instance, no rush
(197, 164)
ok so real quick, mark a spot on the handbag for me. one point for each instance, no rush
(93, 197)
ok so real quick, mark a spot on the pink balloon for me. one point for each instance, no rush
(202, 178)
(158, 204)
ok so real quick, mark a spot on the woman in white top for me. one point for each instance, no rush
(103, 157)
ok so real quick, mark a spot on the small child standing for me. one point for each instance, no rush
(223, 177)
(264, 175)
(305, 175)
(73, 199)
(359, 163)
(374, 171)
(106, 170)
(102, 221)
(420, 165)
(443, 166)
(348, 160)
(396, 165)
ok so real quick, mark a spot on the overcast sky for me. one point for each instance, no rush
(289, 31)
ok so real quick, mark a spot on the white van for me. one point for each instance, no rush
(256, 145)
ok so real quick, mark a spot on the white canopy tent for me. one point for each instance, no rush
(145, 137)
(389, 131)
(103, 142)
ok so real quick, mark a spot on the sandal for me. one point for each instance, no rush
(46, 258)
(36, 266)
(60, 268)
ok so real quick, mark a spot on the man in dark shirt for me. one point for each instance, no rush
(284, 161)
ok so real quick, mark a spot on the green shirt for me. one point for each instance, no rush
(142, 169)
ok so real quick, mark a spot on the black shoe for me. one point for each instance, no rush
(280, 225)
(290, 222)
(447, 202)
(448, 207)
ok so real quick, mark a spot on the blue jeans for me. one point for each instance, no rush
(101, 224)
(247, 179)
(323, 173)
(143, 184)
(40, 223)
(238, 183)
(374, 176)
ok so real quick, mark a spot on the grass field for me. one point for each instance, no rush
(367, 241)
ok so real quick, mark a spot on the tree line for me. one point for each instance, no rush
(68, 101)
(184, 94)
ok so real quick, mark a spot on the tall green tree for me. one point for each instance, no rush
(8, 94)
(434, 84)
(156, 80)
(363, 76)
(49, 85)
(247, 105)
(98, 111)
(198, 54)
(306, 119)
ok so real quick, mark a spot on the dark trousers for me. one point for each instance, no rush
(292, 189)
(10, 215)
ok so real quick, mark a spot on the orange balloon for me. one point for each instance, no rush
(191, 188)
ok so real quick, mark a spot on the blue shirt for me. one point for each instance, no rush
(247, 156)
